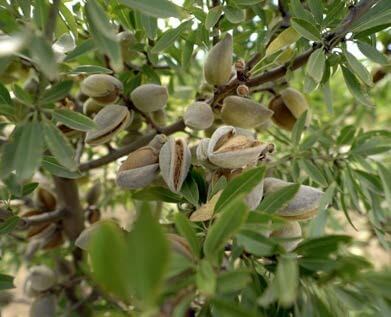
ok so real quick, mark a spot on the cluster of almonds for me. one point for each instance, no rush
(105, 106)
(38, 285)
(230, 150)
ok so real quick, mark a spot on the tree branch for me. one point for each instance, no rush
(69, 201)
(125, 150)
(51, 22)
(44, 217)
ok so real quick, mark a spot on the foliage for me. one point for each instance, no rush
(234, 261)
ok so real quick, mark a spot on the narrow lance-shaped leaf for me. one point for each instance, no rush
(287, 280)
(275, 201)
(298, 128)
(239, 185)
(354, 87)
(313, 172)
(213, 16)
(358, 69)
(184, 227)
(385, 175)
(306, 29)
(103, 33)
(59, 146)
(285, 38)
(169, 37)
(149, 254)
(29, 149)
(42, 54)
(57, 92)
(230, 220)
(316, 64)
(155, 8)
(372, 53)
(73, 119)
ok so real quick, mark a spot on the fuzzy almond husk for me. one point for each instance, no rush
(230, 148)
(304, 205)
(103, 88)
(149, 97)
(244, 113)
(199, 116)
(174, 162)
(218, 63)
(290, 234)
(110, 120)
(141, 166)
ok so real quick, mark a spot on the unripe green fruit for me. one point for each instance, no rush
(159, 117)
(149, 97)
(244, 113)
(91, 107)
(290, 235)
(127, 40)
(218, 63)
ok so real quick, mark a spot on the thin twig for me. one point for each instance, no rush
(44, 217)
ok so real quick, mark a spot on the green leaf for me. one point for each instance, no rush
(213, 16)
(322, 246)
(157, 194)
(6, 282)
(354, 87)
(228, 308)
(149, 254)
(91, 69)
(190, 190)
(29, 149)
(317, 225)
(298, 11)
(244, 183)
(169, 37)
(346, 136)
(385, 175)
(316, 7)
(233, 14)
(327, 96)
(287, 280)
(313, 172)
(379, 14)
(316, 64)
(155, 8)
(50, 164)
(9, 225)
(149, 25)
(7, 162)
(5, 95)
(230, 220)
(285, 38)
(42, 54)
(22, 95)
(103, 33)
(372, 53)
(59, 146)
(74, 120)
(273, 202)
(83, 48)
(206, 278)
(256, 243)
(298, 128)
(57, 92)
(306, 29)
(358, 69)
(108, 253)
(185, 229)
(232, 281)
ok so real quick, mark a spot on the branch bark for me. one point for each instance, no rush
(44, 217)
(69, 201)
(51, 22)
